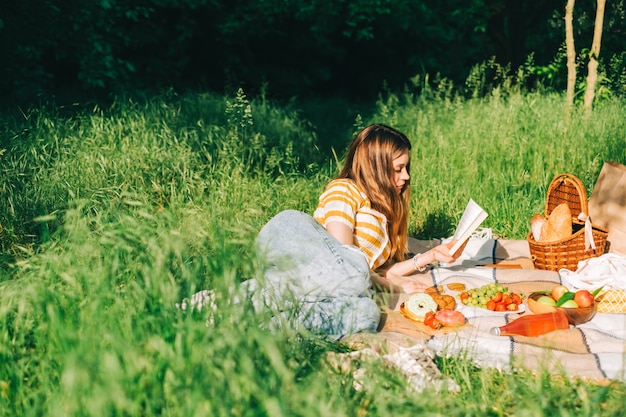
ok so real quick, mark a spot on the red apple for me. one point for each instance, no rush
(583, 298)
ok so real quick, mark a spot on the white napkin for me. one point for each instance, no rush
(608, 270)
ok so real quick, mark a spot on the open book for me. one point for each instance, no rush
(472, 217)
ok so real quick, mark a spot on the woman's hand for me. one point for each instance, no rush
(441, 253)
(397, 284)
(460, 250)
(402, 275)
(410, 285)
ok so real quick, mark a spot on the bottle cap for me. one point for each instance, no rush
(495, 331)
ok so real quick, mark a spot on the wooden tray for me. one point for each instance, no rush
(395, 321)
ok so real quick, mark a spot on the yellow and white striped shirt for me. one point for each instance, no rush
(343, 201)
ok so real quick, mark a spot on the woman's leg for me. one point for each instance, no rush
(328, 280)
(302, 257)
(341, 316)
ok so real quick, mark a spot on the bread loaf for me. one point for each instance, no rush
(444, 301)
(558, 226)
(536, 224)
(456, 286)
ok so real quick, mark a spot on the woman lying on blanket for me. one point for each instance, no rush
(326, 262)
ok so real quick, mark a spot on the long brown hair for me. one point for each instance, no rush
(369, 162)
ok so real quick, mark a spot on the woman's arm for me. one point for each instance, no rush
(397, 273)
(397, 284)
(344, 234)
(400, 277)
(395, 279)
(341, 232)
(439, 253)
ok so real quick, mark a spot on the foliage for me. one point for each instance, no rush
(104, 48)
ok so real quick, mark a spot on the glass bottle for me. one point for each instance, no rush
(533, 325)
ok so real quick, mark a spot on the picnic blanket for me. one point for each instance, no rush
(594, 350)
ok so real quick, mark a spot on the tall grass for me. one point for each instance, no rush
(502, 151)
(113, 215)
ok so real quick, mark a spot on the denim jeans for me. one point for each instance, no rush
(328, 281)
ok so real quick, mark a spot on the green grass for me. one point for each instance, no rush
(113, 215)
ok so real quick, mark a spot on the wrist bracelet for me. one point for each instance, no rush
(416, 266)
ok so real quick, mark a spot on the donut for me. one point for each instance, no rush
(418, 304)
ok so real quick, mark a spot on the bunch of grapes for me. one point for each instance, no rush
(492, 296)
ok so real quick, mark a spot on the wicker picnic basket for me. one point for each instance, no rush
(566, 253)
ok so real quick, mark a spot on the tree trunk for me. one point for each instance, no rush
(571, 52)
(592, 72)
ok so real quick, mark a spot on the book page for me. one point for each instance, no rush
(472, 217)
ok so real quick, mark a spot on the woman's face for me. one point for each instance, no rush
(400, 173)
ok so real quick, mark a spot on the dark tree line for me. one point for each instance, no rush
(95, 48)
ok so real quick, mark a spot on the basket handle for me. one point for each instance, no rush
(582, 191)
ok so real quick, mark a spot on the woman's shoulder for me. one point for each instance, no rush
(346, 184)
(343, 190)
(346, 191)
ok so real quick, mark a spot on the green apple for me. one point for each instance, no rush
(549, 301)
(569, 304)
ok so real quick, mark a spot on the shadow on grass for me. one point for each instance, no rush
(436, 225)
